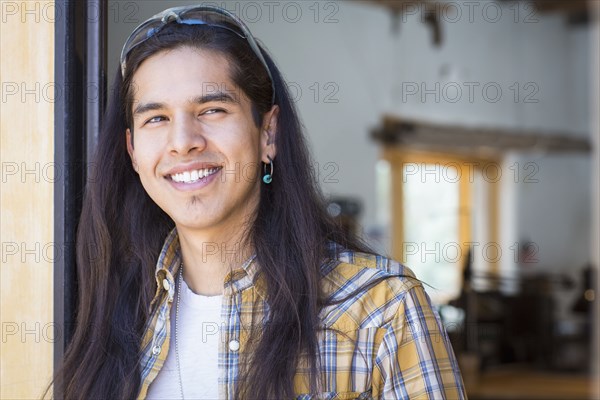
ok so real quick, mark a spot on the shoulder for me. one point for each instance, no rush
(347, 269)
(364, 290)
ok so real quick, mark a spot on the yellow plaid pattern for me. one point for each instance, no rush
(386, 342)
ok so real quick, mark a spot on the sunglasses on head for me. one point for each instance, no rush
(193, 15)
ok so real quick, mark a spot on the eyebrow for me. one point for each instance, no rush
(218, 96)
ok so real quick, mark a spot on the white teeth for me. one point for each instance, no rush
(193, 176)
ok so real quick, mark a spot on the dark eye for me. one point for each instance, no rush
(213, 111)
(158, 118)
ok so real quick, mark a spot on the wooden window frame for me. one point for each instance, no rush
(398, 156)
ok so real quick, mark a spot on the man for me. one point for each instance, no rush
(208, 266)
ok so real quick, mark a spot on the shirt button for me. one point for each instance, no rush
(156, 350)
(166, 284)
(234, 345)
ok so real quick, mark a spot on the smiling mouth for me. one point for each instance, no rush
(193, 175)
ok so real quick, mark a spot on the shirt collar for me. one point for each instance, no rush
(239, 279)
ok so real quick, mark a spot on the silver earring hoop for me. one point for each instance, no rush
(268, 177)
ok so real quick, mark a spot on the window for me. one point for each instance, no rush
(441, 209)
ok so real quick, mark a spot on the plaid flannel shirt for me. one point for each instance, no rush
(394, 345)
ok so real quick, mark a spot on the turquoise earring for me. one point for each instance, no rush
(267, 178)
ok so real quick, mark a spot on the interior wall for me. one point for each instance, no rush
(514, 67)
(554, 212)
(594, 78)
(28, 172)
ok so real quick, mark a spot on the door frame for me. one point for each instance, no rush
(80, 73)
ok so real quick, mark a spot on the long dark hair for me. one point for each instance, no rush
(121, 232)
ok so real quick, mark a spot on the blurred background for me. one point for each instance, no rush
(459, 137)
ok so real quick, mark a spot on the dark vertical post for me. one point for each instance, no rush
(96, 70)
(80, 73)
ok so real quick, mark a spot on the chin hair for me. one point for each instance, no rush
(195, 199)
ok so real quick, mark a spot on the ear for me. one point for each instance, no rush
(268, 133)
(129, 139)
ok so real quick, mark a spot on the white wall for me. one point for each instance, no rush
(595, 182)
(372, 67)
(549, 61)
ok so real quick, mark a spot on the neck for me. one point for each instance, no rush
(208, 258)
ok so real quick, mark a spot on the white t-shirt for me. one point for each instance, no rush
(198, 334)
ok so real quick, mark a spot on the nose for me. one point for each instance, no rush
(186, 135)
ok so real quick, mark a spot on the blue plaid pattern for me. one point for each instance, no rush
(386, 342)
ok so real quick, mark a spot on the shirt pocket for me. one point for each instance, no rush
(348, 361)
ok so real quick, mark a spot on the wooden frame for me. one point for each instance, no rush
(398, 156)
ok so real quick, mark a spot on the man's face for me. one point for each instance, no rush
(195, 145)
